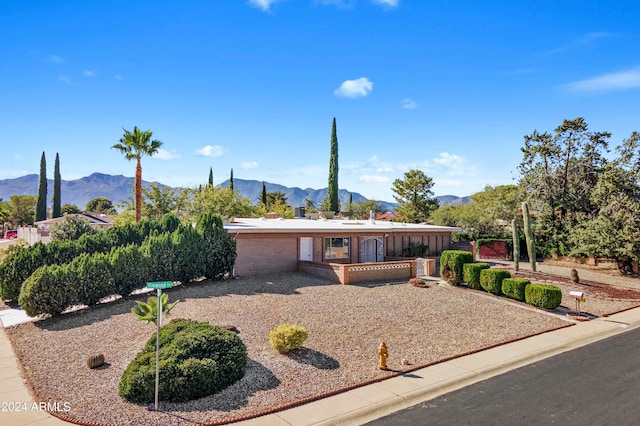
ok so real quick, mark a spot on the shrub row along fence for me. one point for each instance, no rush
(457, 268)
(47, 279)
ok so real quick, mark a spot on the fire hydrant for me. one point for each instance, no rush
(383, 352)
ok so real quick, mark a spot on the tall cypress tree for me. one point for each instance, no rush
(56, 200)
(210, 176)
(231, 180)
(41, 206)
(263, 196)
(332, 194)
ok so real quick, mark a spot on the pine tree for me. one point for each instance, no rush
(210, 176)
(332, 194)
(56, 200)
(263, 196)
(231, 180)
(41, 206)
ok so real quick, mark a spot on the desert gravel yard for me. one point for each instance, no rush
(345, 324)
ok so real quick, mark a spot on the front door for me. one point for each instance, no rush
(306, 248)
(371, 250)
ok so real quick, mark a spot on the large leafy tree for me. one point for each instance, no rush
(41, 205)
(160, 201)
(558, 173)
(333, 203)
(22, 209)
(613, 231)
(415, 198)
(134, 145)
(100, 205)
(486, 215)
(57, 181)
(361, 210)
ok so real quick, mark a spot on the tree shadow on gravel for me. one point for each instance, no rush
(257, 378)
(314, 358)
(277, 283)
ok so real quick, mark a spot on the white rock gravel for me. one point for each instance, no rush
(345, 324)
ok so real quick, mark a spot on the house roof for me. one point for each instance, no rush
(94, 219)
(263, 225)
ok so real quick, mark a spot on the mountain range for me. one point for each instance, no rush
(118, 188)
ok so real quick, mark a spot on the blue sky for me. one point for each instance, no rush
(447, 87)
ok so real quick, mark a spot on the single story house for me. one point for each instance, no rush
(344, 249)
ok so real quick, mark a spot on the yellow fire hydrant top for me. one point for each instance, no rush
(383, 352)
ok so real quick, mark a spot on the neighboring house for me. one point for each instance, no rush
(388, 216)
(333, 248)
(41, 230)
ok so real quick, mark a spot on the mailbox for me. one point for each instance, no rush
(577, 294)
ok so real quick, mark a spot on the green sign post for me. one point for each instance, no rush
(159, 285)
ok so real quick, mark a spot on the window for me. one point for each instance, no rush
(336, 248)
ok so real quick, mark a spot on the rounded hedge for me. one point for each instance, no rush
(515, 288)
(451, 262)
(491, 280)
(196, 359)
(471, 274)
(544, 296)
(287, 337)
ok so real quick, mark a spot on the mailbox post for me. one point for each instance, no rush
(579, 297)
(158, 285)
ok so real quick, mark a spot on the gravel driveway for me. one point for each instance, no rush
(346, 323)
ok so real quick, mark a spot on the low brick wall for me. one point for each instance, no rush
(361, 272)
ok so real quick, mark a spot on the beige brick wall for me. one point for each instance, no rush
(264, 253)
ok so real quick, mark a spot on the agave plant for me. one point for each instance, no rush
(149, 311)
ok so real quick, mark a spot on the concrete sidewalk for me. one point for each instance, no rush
(369, 402)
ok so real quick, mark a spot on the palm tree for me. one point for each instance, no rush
(133, 146)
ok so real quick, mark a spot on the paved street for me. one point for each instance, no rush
(598, 384)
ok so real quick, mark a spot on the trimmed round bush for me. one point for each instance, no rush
(451, 262)
(491, 280)
(94, 279)
(196, 359)
(287, 337)
(515, 288)
(544, 296)
(46, 291)
(471, 274)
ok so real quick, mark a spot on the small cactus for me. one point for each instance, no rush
(574, 276)
(95, 361)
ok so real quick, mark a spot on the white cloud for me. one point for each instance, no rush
(451, 165)
(56, 59)
(354, 88)
(387, 3)
(163, 154)
(586, 40)
(374, 179)
(248, 165)
(210, 151)
(409, 104)
(89, 73)
(64, 79)
(622, 80)
(263, 4)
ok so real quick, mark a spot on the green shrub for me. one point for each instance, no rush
(129, 269)
(515, 288)
(46, 291)
(93, 278)
(196, 359)
(71, 227)
(544, 296)
(451, 262)
(287, 337)
(471, 274)
(491, 280)
(220, 247)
